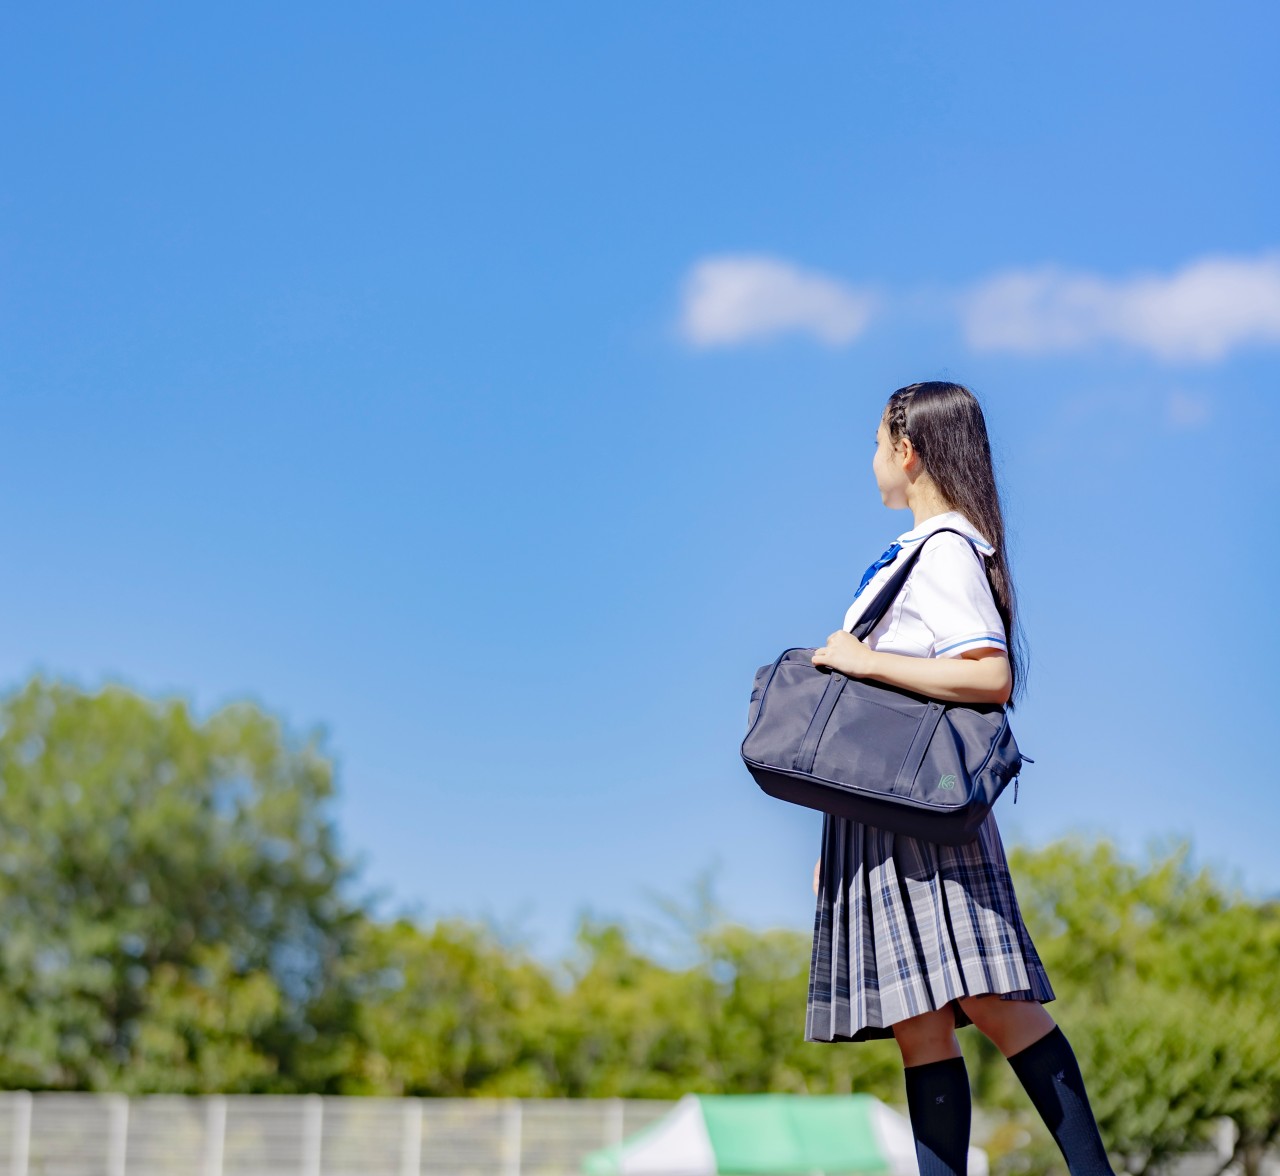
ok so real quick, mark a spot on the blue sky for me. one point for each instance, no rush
(496, 385)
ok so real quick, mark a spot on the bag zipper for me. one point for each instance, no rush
(1015, 779)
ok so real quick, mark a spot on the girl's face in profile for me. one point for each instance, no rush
(887, 467)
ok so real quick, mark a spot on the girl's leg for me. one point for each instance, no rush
(937, 1092)
(1046, 1065)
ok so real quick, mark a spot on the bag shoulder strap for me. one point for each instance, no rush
(885, 597)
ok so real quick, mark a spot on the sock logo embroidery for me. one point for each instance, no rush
(1059, 1075)
(940, 1098)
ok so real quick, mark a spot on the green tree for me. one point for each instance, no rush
(171, 898)
(625, 1024)
(449, 1011)
(173, 917)
(1166, 981)
(751, 991)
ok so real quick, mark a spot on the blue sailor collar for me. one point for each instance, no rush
(948, 518)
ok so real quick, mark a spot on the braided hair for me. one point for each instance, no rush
(947, 429)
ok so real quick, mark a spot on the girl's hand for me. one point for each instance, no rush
(844, 652)
(816, 867)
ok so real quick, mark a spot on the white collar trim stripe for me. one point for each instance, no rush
(948, 518)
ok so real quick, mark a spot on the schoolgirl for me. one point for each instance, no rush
(913, 939)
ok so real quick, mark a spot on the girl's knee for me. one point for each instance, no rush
(1008, 1023)
(981, 1003)
(927, 1037)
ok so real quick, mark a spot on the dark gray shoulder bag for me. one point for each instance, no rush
(876, 753)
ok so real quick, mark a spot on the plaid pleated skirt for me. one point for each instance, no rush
(904, 926)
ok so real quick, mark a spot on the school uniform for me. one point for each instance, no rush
(902, 925)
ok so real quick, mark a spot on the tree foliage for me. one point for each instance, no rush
(171, 898)
(1168, 983)
(174, 916)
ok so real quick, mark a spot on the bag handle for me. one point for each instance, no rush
(885, 597)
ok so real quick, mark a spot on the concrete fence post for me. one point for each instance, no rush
(118, 1137)
(613, 1122)
(312, 1134)
(511, 1124)
(215, 1134)
(20, 1149)
(411, 1139)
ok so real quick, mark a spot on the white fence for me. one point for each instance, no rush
(55, 1134)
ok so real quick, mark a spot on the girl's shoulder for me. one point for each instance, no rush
(950, 548)
(946, 546)
(949, 593)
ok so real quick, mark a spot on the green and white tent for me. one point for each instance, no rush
(770, 1135)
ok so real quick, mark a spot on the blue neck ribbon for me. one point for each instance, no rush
(889, 553)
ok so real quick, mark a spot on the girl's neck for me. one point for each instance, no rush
(925, 501)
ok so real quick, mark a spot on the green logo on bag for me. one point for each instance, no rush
(948, 782)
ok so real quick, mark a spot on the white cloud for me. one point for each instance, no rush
(734, 299)
(1183, 410)
(1199, 313)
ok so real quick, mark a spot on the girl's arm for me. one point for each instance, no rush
(977, 675)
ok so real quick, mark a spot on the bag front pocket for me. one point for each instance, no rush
(868, 736)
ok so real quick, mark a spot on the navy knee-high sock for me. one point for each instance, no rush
(1048, 1070)
(941, 1114)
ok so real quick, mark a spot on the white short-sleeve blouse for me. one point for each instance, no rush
(945, 608)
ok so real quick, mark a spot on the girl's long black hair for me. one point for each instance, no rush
(947, 429)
